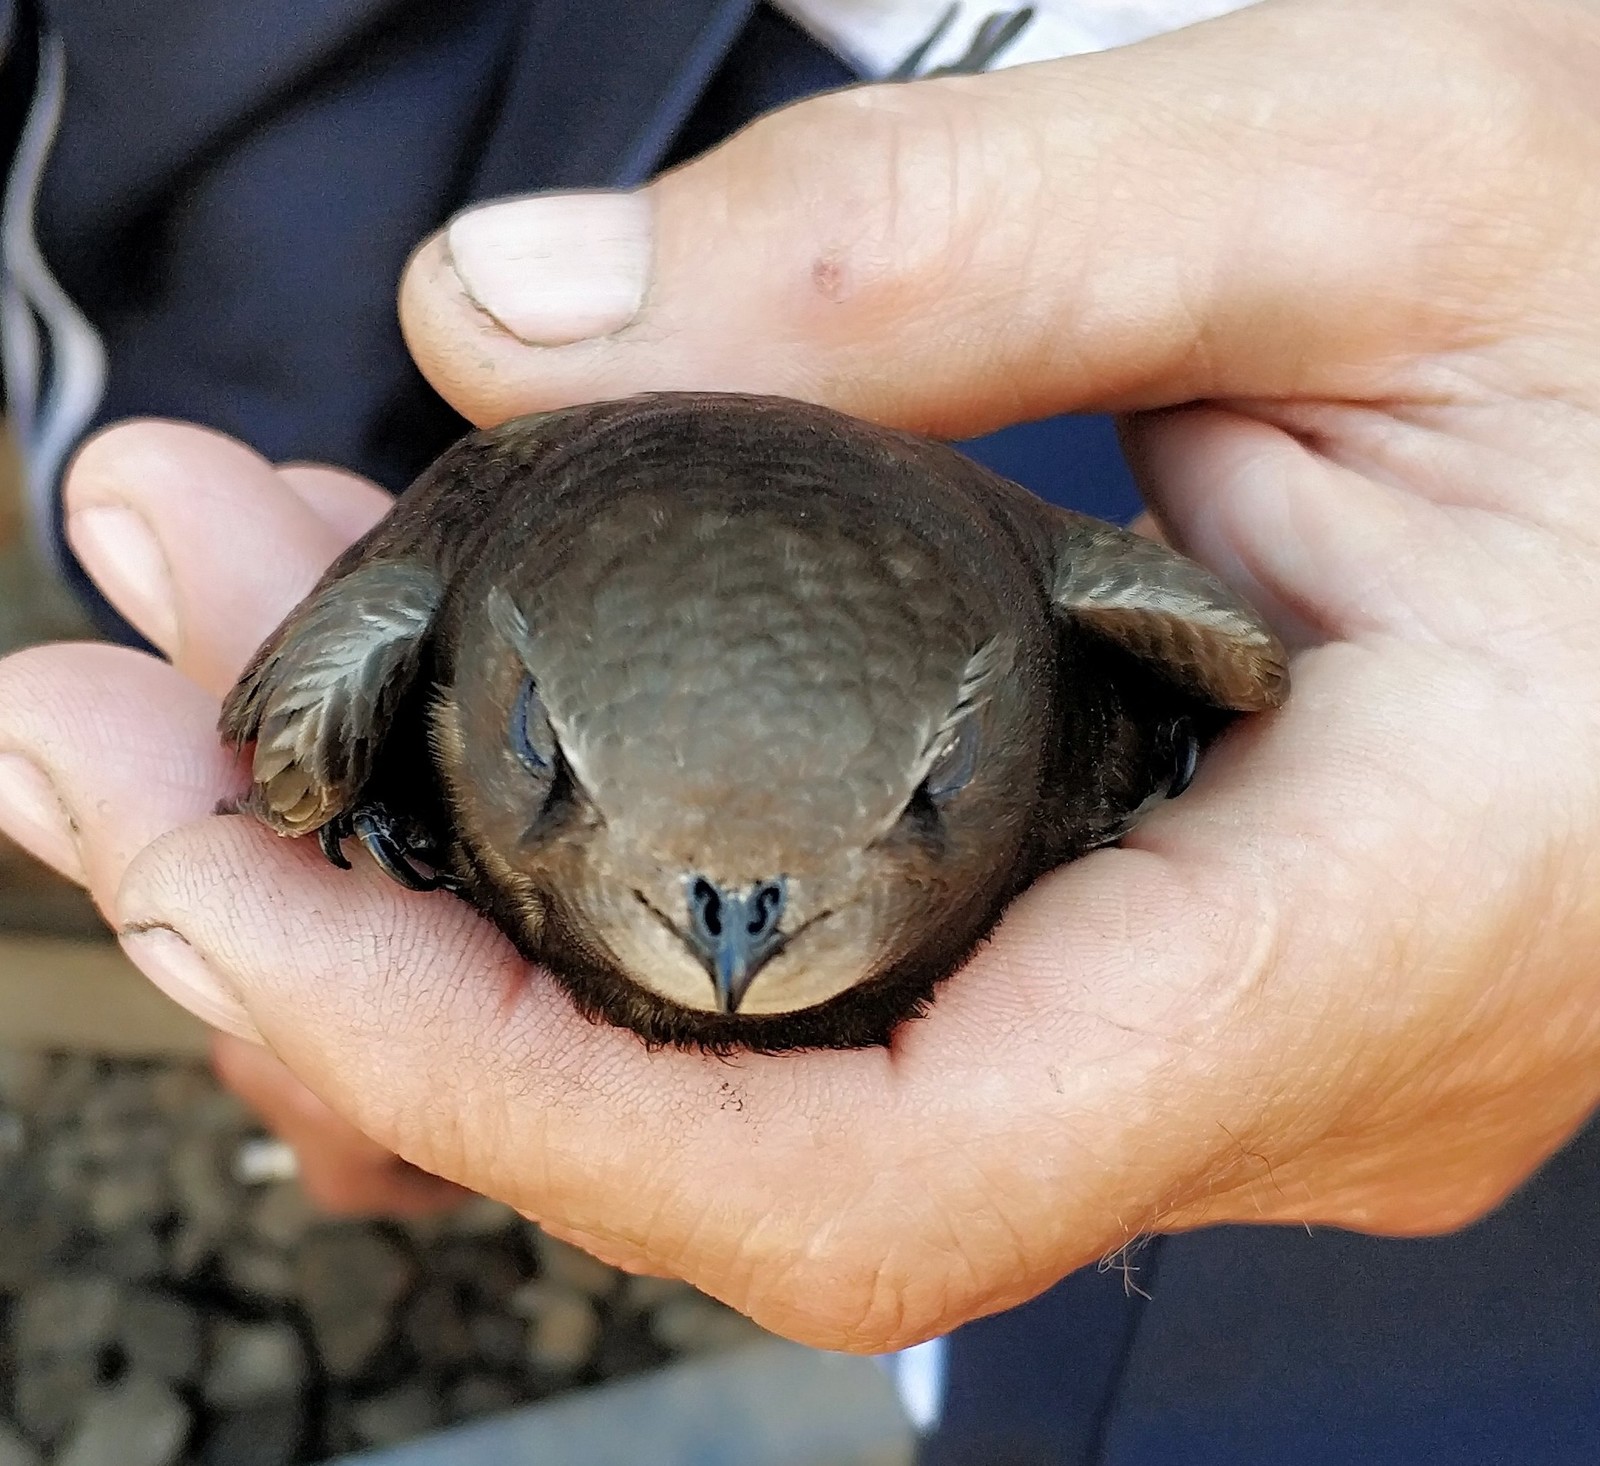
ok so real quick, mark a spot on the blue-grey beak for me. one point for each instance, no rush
(735, 933)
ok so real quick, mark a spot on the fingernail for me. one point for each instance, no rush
(556, 268)
(31, 812)
(187, 978)
(126, 560)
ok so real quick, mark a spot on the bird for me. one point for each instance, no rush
(743, 717)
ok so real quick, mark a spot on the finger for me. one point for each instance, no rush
(349, 504)
(1194, 216)
(620, 1256)
(117, 748)
(1324, 550)
(340, 1169)
(124, 746)
(199, 541)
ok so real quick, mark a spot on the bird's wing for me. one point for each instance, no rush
(318, 697)
(1167, 611)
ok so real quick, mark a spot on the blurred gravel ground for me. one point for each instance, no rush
(155, 1309)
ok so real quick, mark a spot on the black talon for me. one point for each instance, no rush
(392, 851)
(392, 843)
(332, 837)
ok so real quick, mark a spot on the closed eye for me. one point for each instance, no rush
(922, 821)
(532, 739)
(957, 762)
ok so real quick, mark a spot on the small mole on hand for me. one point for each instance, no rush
(827, 275)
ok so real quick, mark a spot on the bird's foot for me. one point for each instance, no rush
(402, 846)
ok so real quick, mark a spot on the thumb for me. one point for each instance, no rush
(1244, 208)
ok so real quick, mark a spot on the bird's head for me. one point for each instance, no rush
(748, 762)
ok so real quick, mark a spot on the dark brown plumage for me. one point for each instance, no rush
(744, 717)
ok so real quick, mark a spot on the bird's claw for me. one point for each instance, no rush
(402, 849)
(332, 837)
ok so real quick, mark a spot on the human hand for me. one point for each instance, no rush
(1347, 979)
(340, 1169)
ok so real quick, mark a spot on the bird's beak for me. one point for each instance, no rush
(734, 932)
(735, 964)
(732, 978)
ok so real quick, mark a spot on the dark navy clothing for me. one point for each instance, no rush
(1269, 1346)
(1266, 1345)
(229, 200)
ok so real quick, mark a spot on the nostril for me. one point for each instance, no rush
(751, 916)
(764, 908)
(705, 907)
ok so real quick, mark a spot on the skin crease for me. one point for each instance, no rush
(1347, 980)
